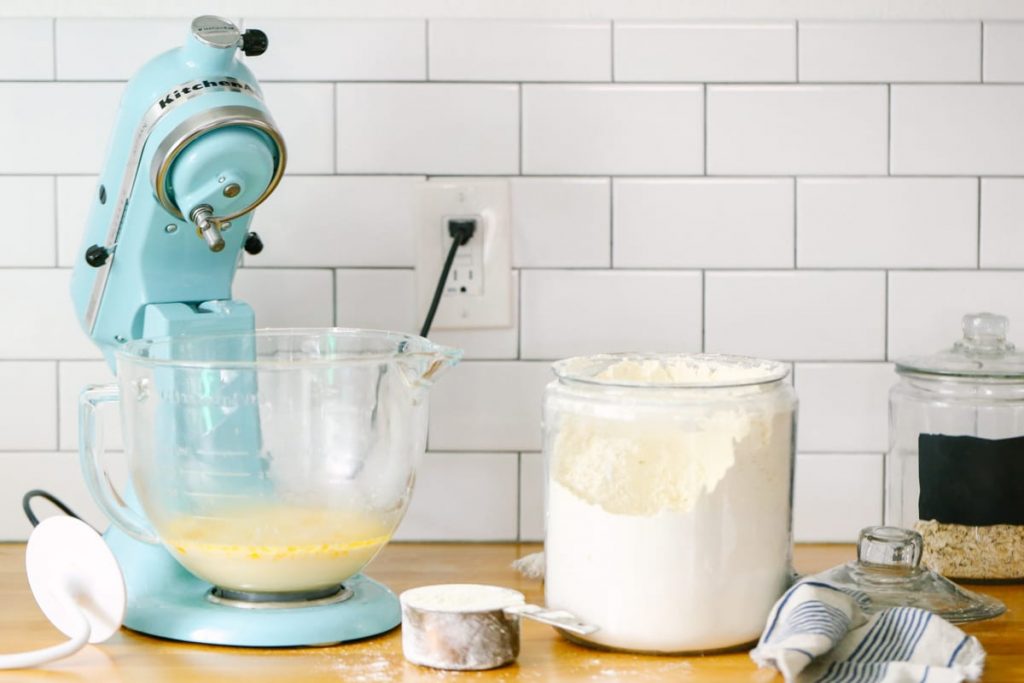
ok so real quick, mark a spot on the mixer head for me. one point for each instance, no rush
(194, 151)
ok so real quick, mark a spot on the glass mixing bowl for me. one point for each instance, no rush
(270, 462)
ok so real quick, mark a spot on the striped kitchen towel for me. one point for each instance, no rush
(821, 633)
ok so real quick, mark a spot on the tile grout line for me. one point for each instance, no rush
(612, 45)
(334, 296)
(519, 496)
(611, 223)
(885, 323)
(749, 83)
(703, 311)
(519, 315)
(519, 92)
(796, 222)
(57, 396)
(426, 49)
(796, 50)
(978, 243)
(888, 130)
(981, 59)
(567, 175)
(704, 126)
(56, 226)
(334, 126)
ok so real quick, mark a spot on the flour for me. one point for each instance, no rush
(462, 597)
(668, 508)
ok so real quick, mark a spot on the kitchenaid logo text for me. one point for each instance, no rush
(185, 398)
(184, 91)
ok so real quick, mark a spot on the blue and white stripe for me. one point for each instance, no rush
(822, 633)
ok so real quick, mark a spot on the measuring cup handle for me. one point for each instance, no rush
(91, 452)
(557, 618)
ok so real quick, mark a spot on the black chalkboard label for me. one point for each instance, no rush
(971, 481)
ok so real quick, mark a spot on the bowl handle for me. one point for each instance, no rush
(91, 452)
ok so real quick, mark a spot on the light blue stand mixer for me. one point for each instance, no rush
(194, 151)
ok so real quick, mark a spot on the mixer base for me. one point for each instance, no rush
(167, 601)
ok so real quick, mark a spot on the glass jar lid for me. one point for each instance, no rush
(887, 570)
(983, 353)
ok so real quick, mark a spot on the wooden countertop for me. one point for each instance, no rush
(544, 656)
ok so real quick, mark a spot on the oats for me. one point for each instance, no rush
(973, 552)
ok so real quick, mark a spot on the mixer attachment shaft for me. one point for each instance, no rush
(202, 216)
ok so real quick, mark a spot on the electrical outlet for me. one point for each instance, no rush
(478, 292)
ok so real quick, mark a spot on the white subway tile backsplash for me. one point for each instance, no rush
(520, 50)
(304, 113)
(26, 49)
(287, 297)
(450, 484)
(873, 51)
(489, 405)
(29, 209)
(957, 129)
(703, 223)
(75, 195)
(28, 407)
(672, 185)
(612, 129)
(561, 222)
(887, 222)
(339, 221)
(926, 308)
(810, 315)
(376, 299)
(437, 128)
(570, 313)
(341, 50)
(1002, 223)
(39, 320)
(1004, 51)
(705, 51)
(384, 299)
(111, 49)
(58, 473)
(835, 496)
(41, 133)
(796, 130)
(862, 389)
(73, 377)
(532, 513)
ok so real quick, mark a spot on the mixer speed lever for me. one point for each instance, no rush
(202, 216)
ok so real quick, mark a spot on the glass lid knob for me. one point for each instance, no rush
(889, 546)
(984, 333)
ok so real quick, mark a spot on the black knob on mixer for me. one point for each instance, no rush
(96, 255)
(253, 244)
(254, 42)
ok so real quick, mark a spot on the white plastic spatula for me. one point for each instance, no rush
(77, 583)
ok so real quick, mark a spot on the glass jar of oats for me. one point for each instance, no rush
(955, 467)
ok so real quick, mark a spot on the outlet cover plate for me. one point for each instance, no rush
(487, 257)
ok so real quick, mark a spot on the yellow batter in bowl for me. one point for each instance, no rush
(277, 548)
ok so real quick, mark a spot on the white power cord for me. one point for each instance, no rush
(77, 584)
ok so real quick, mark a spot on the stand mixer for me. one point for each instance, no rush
(194, 151)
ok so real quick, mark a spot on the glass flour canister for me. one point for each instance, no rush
(669, 497)
(955, 467)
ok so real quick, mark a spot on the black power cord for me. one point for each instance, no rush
(461, 230)
(26, 505)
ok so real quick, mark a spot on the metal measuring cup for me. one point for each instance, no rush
(471, 627)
